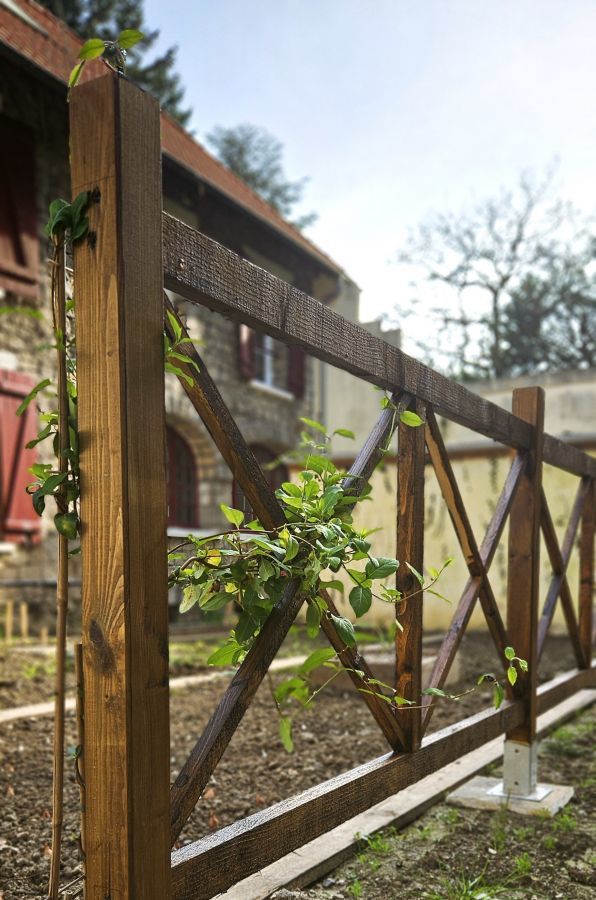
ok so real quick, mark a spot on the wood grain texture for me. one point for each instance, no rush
(524, 561)
(247, 846)
(115, 146)
(410, 549)
(240, 849)
(586, 575)
(204, 272)
(476, 567)
(206, 399)
(465, 607)
(559, 560)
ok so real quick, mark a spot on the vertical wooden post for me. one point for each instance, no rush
(115, 151)
(519, 775)
(586, 575)
(410, 547)
(9, 621)
(24, 619)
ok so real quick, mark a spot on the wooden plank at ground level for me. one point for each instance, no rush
(240, 849)
(247, 846)
(318, 858)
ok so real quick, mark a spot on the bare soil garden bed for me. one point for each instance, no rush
(256, 771)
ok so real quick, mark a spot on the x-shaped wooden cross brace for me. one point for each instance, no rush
(207, 401)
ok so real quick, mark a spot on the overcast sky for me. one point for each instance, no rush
(395, 108)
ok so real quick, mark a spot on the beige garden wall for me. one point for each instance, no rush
(480, 468)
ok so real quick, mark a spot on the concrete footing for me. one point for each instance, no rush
(489, 793)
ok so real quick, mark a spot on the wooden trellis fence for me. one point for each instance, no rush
(134, 250)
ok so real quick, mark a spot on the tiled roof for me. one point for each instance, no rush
(33, 32)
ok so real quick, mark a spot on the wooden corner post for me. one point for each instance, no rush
(115, 152)
(520, 765)
(410, 549)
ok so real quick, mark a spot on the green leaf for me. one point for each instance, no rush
(215, 601)
(92, 49)
(522, 664)
(437, 692)
(511, 674)
(75, 74)
(345, 629)
(317, 658)
(266, 569)
(384, 566)
(235, 516)
(285, 733)
(314, 424)
(360, 600)
(509, 653)
(175, 325)
(191, 594)
(79, 230)
(345, 432)
(246, 626)
(128, 38)
(224, 656)
(51, 483)
(292, 548)
(410, 418)
(498, 694)
(292, 489)
(313, 620)
(32, 395)
(39, 502)
(416, 574)
(67, 525)
(334, 585)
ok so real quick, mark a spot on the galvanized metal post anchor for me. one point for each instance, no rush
(518, 789)
(520, 773)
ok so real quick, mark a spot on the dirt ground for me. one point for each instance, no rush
(456, 854)
(336, 735)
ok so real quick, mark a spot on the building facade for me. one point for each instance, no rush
(266, 385)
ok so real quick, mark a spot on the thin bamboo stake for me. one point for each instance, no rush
(59, 310)
(24, 620)
(79, 760)
(9, 621)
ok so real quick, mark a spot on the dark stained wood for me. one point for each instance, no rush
(457, 511)
(208, 750)
(245, 847)
(462, 614)
(204, 395)
(559, 559)
(204, 272)
(586, 575)
(567, 457)
(563, 686)
(115, 146)
(524, 561)
(410, 549)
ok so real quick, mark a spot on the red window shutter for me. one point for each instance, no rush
(246, 352)
(18, 521)
(19, 243)
(296, 371)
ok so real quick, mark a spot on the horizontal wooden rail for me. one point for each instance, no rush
(247, 846)
(202, 271)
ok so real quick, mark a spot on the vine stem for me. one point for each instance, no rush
(59, 314)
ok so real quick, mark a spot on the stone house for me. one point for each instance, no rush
(267, 386)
